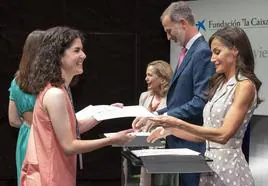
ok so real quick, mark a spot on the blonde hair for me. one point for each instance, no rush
(163, 70)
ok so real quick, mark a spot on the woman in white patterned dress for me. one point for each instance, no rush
(232, 99)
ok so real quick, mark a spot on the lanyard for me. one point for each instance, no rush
(78, 136)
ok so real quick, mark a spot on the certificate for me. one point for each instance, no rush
(139, 140)
(163, 152)
(105, 112)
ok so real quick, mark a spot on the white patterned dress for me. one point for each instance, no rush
(229, 164)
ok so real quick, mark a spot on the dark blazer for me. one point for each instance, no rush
(186, 96)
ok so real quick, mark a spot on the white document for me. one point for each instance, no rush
(85, 113)
(90, 110)
(159, 152)
(144, 134)
(139, 140)
(104, 112)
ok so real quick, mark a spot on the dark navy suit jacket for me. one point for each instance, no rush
(186, 96)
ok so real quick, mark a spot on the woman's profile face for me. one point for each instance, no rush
(152, 79)
(73, 58)
(223, 57)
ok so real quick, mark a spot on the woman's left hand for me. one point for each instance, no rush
(166, 121)
(158, 133)
(120, 105)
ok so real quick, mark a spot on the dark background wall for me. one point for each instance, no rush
(123, 36)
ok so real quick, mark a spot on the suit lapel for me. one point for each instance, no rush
(186, 59)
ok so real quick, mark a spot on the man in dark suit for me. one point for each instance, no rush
(186, 96)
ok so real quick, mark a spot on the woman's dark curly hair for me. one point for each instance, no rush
(30, 50)
(235, 37)
(47, 65)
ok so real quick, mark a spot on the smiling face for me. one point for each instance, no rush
(72, 59)
(223, 57)
(152, 79)
(174, 31)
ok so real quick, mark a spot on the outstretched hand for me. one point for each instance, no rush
(148, 126)
(166, 121)
(139, 122)
(120, 105)
(158, 133)
(123, 137)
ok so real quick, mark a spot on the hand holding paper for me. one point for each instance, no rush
(122, 137)
(120, 105)
(158, 133)
(138, 140)
(167, 121)
(139, 122)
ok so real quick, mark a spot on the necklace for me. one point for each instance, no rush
(153, 107)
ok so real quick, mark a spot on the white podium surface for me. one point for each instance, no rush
(165, 161)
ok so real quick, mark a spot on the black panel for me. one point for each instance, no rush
(109, 77)
(122, 37)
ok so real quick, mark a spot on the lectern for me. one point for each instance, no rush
(130, 168)
(167, 164)
(158, 161)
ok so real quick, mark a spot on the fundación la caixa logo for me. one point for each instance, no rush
(247, 23)
(243, 22)
(201, 25)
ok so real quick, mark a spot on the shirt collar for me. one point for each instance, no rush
(233, 80)
(192, 40)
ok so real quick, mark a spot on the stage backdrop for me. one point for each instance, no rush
(251, 15)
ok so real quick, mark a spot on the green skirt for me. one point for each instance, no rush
(21, 148)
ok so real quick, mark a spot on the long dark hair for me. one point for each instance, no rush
(30, 49)
(235, 37)
(47, 66)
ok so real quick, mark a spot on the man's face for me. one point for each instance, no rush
(174, 31)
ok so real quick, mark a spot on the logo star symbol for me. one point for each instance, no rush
(200, 25)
